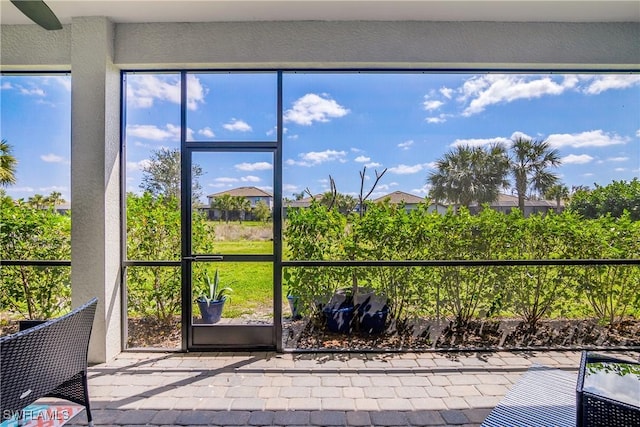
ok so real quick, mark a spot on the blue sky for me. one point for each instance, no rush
(335, 124)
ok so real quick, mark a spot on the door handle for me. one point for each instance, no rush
(205, 258)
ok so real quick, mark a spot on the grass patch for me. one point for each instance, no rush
(246, 247)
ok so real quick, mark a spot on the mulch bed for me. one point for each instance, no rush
(486, 334)
(311, 334)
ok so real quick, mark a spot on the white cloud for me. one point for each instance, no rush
(152, 132)
(617, 159)
(638, 133)
(432, 104)
(314, 108)
(50, 189)
(594, 138)
(407, 169)
(207, 132)
(33, 91)
(424, 190)
(314, 158)
(237, 126)
(64, 81)
(250, 178)
(446, 92)
(15, 190)
(138, 166)
(576, 159)
(143, 145)
(491, 89)
(606, 82)
(406, 145)
(480, 142)
(225, 179)
(169, 132)
(258, 166)
(373, 165)
(620, 169)
(274, 130)
(517, 134)
(362, 159)
(30, 91)
(439, 119)
(144, 89)
(387, 187)
(289, 188)
(220, 185)
(51, 158)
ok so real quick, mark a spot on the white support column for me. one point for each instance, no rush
(95, 180)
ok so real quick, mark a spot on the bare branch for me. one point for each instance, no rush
(363, 174)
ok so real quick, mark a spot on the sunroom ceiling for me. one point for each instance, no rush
(141, 11)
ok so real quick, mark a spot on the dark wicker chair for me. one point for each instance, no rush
(593, 409)
(48, 360)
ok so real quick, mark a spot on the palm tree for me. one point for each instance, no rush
(55, 198)
(558, 193)
(470, 174)
(530, 167)
(241, 204)
(37, 201)
(7, 164)
(224, 203)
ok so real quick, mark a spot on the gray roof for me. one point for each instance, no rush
(242, 191)
(507, 200)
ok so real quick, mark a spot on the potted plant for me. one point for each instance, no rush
(212, 302)
(294, 305)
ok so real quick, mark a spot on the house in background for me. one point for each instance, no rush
(411, 201)
(253, 194)
(506, 203)
(297, 204)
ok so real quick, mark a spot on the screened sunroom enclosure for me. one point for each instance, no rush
(279, 138)
(96, 50)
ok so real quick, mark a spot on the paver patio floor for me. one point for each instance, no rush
(315, 389)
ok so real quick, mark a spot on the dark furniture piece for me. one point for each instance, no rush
(47, 360)
(607, 392)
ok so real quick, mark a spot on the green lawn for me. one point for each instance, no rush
(246, 247)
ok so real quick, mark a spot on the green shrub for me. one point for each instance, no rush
(28, 233)
(154, 233)
(612, 291)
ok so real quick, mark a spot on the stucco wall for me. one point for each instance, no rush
(342, 44)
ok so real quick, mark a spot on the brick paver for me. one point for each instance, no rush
(268, 389)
